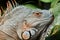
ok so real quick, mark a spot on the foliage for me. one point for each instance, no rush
(55, 33)
(31, 6)
(54, 2)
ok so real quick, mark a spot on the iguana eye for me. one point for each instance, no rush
(38, 14)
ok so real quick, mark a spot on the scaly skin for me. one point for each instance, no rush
(22, 19)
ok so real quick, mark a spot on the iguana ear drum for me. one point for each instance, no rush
(28, 34)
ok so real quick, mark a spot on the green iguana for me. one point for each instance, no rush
(23, 23)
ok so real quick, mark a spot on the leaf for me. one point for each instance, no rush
(56, 10)
(55, 32)
(54, 2)
(31, 6)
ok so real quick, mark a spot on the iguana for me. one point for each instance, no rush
(23, 23)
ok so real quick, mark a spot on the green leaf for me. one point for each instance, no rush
(54, 2)
(56, 9)
(55, 29)
(56, 36)
(31, 6)
(55, 32)
(46, 1)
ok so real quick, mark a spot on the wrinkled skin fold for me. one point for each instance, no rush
(22, 19)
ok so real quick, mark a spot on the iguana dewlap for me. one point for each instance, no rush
(22, 19)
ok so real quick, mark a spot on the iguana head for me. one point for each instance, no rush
(36, 20)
